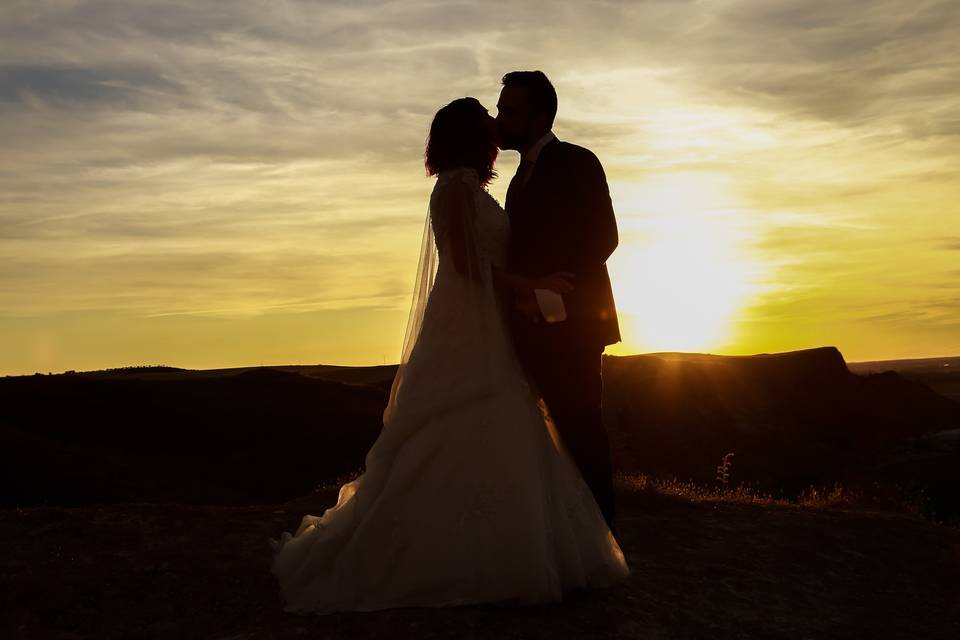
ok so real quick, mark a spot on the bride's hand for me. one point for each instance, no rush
(558, 281)
(526, 303)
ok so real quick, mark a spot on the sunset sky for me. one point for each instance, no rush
(216, 184)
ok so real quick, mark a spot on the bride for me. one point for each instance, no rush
(468, 494)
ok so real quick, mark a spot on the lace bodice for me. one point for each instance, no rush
(492, 223)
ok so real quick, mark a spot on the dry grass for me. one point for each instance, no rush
(866, 495)
(834, 496)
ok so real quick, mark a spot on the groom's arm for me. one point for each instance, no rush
(594, 223)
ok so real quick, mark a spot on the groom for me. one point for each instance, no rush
(561, 219)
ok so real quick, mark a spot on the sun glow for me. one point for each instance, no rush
(683, 269)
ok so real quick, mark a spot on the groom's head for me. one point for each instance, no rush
(526, 109)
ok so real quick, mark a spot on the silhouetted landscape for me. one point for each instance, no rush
(268, 434)
(141, 499)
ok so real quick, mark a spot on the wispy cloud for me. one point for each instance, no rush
(243, 157)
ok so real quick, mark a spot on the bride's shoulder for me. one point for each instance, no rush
(464, 174)
(457, 180)
(463, 179)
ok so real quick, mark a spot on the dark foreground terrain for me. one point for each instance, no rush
(701, 570)
(138, 503)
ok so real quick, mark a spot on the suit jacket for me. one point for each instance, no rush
(563, 220)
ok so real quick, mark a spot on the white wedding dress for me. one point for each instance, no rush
(468, 495)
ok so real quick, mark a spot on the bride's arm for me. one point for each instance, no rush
(506, 280)
(458, 210)
(560, 281)
(457, 215)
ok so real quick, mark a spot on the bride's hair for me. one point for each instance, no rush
(460, 137)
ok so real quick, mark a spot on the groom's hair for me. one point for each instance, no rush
(543, 97)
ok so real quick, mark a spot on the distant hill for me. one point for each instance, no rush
(256, 436)
(266, 434)
(940, 374)
(791, 419)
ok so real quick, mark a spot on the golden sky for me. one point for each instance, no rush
(215, 184)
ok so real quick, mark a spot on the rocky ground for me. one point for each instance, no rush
(701, 570)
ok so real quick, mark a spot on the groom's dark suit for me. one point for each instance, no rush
(562, 219)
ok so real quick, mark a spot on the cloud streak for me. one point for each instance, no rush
(178, 157)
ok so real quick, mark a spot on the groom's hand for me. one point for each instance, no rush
(559, 282)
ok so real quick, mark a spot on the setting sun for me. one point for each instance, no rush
(683, 269)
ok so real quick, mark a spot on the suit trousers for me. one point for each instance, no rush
(569, 378)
